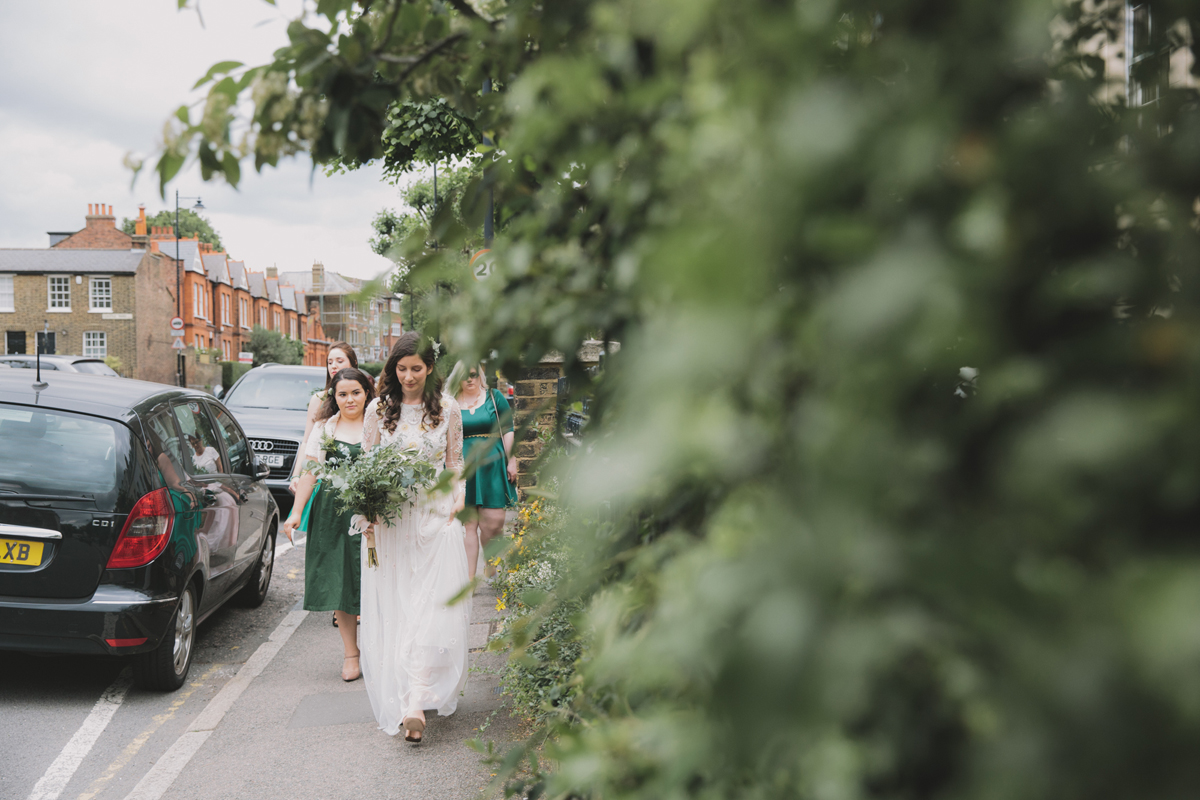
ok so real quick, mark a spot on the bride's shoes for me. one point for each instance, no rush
(349, 675)
(414, 727)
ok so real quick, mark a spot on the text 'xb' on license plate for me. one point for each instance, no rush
(272, 459)
(16, 551)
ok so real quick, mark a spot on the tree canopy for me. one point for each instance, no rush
(892, 489)
(190, 224)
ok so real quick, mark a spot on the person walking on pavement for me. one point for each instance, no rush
(332, 568)
(414, 644)
(488, 444)
(341, 356)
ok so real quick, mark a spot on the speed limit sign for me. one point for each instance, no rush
(482, 263)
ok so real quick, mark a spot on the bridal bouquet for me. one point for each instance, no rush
(379, 484)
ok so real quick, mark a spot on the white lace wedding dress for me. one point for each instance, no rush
(414, 645)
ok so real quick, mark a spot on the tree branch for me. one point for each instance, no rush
(391, 26)
(415, 61)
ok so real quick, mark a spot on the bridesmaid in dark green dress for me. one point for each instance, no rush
(332, 571)
(488, 442)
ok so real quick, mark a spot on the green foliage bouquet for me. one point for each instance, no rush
(379, 484)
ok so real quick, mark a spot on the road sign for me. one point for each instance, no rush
(245, 358)
(176, 323)
(178, 334)
(178, 345)
(482, 263)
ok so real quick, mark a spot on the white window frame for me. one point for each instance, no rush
(50, 307)
(244, 313)
(11, 293)
(93, 350)
(292, 327)
(224, 308)
(277, 318)
(92, 283)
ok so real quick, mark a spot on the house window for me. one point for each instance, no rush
(100, 296)
(262, 317)
(292, 325)
(395, 306)
(243, 312)
(6, 293)
(196, 303)
(397, 329)
(59, 288)
(278, 322)
(199, 342)
(225, 348)
(95, 344)
(225, 309)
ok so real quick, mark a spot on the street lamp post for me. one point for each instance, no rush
(180, 373)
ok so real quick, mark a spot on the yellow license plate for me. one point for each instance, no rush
(15, 551)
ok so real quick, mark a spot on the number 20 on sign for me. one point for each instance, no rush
(482, 263)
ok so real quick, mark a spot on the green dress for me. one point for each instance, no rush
(332, 571)
(489, 486)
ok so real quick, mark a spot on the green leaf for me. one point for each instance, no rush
(232, 168)
(182, 115)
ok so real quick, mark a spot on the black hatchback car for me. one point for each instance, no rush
(129, 512)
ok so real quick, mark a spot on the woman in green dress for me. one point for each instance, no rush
(488, 444)
(332, 572)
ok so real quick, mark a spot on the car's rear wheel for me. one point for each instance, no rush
(254, 592)
(166, 667)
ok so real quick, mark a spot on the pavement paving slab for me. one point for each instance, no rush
(299, 731)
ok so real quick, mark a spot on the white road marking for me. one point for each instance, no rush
(280, 549)
(164, 772)
(134, 746)
(59, 774)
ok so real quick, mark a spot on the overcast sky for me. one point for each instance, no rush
(82, 83)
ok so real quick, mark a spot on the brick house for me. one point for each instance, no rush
(225, 329)
(316, 343)
(262, 307)
(291, 319)
(243, 304)
(344, 317)
(95, 292)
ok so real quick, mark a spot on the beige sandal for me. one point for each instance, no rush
(356, 675)
(413, 725)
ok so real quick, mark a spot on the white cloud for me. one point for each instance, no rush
(82, 84)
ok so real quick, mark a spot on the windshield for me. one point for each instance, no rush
(95, 368)
(289, 390)
(56, 451)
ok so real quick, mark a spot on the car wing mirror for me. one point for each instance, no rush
(261, 470)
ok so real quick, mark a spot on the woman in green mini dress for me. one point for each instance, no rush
(332, 570)
(488, 443)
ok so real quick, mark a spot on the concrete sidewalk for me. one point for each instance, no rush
(298, 731)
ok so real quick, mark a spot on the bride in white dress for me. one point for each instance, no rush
(414, 645)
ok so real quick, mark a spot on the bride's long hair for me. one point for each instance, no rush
(390, 393)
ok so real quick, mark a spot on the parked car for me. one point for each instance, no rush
(129, 512)
(271, 403)
(93, 366)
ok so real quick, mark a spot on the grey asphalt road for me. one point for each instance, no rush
(295, 731)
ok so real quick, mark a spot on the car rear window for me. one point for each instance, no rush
(95, 368)
(56, 451)
(275, 390)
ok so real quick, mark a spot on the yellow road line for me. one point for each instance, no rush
(134, 746)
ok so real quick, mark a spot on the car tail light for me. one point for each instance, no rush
(125, 642)
(146, 531)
